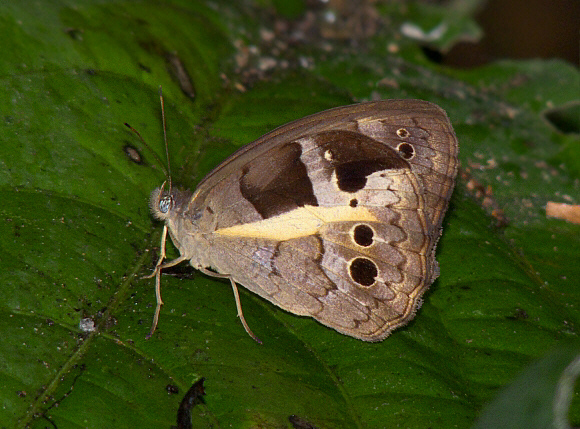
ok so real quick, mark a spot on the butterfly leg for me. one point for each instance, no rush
(237, 297)
(240, 312)
(157, 273)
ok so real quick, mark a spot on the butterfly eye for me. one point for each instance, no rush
(165, 204)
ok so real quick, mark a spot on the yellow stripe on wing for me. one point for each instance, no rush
(300, 222)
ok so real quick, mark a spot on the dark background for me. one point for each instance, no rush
(522, 29)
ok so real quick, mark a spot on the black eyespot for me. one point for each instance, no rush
(363, 235)
(406, 150)
(354, 202)
(363, 271)
(165, 204)
(403, 133)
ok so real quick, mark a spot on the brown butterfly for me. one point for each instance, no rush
(335, 216)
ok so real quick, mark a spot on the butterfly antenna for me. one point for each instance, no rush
(167, 170)
(165, 136)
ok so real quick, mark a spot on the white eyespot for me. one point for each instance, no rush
(328, 155)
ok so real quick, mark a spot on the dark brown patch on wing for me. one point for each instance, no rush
(277, 181)
(354, 157)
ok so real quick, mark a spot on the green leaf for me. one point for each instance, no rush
(77, 235)
(538, 398)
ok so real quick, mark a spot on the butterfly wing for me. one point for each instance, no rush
(335, 216)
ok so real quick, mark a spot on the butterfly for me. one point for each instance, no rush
(335, 216)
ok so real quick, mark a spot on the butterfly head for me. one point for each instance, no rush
(166, 204)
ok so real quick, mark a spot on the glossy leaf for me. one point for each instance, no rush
(77, 234)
